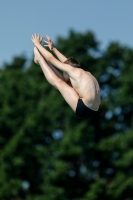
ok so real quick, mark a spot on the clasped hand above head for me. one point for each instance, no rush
(37, 39)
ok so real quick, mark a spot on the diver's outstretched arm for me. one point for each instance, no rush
(51, 46)
(49, 57)
(61, 57)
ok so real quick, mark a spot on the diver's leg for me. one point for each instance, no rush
(48, 70)
(67, 91)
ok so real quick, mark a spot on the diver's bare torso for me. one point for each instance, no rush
(87, 88)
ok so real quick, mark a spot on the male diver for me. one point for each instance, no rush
(79, 88)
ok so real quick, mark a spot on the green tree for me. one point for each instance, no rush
(46, 151)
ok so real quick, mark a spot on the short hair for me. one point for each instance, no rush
(73, 62)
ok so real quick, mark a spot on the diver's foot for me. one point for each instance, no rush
(37, 56)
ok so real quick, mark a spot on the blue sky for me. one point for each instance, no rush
(110, 20)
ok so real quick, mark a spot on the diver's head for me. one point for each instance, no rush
(73, 62)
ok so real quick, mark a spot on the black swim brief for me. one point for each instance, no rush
(83, 111)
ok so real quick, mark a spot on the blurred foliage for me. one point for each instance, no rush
(46, 151)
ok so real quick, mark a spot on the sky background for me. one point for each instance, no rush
(109, 20)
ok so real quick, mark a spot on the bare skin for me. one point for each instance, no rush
(83, 84)
(57, 81)
(60, 56)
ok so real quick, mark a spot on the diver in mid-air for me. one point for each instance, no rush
(79, 88)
